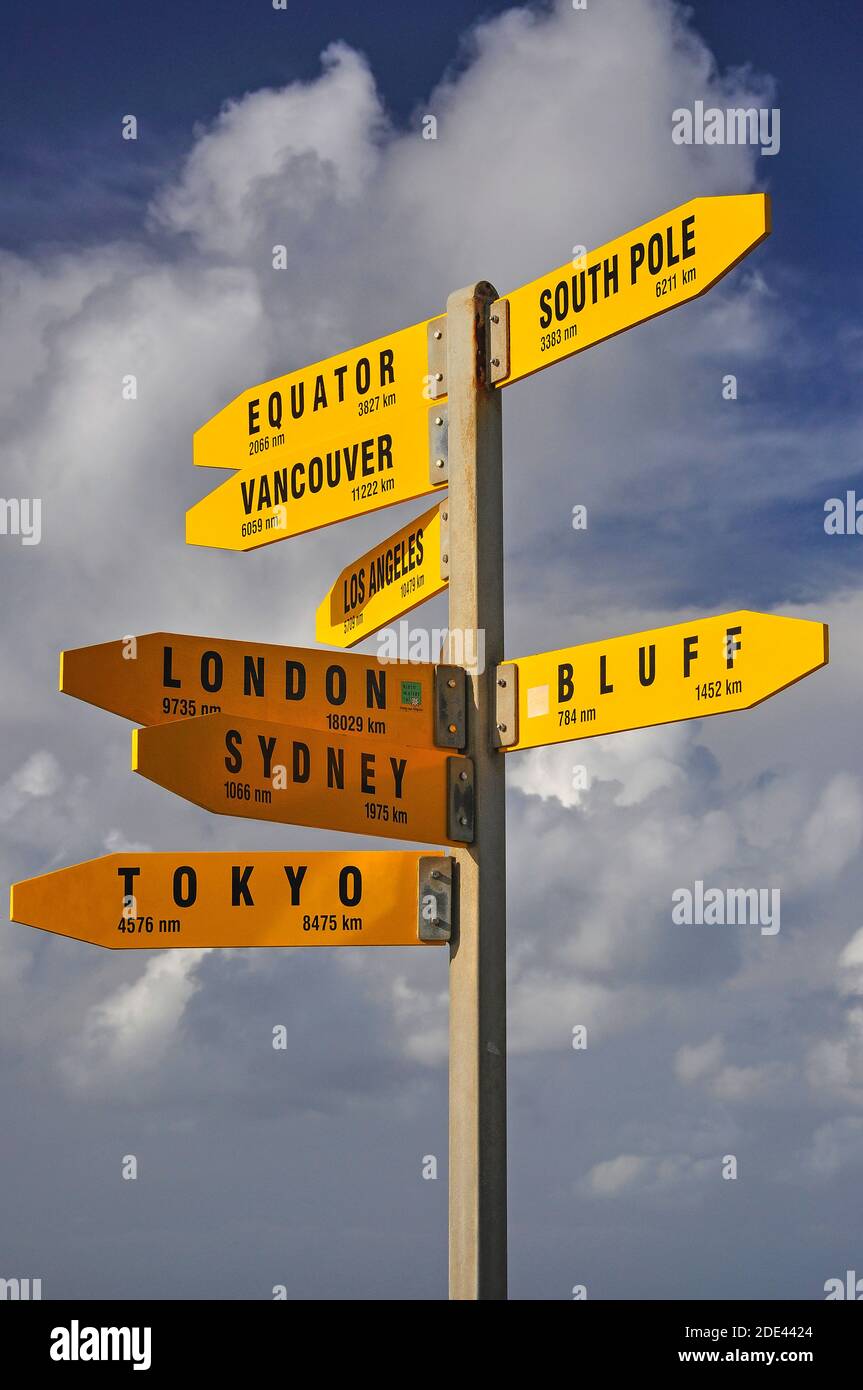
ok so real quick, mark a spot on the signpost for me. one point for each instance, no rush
(706, 666)
(135, 901)
(341, 741)
(388, 581)
(164, 676)
(278, 772)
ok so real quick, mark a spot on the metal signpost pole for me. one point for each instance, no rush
(477, 1094)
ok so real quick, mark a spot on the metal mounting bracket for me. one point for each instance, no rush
(498, 341)
(435, 897)
(438, 445)
(460, 800)
(437, 357)
(443, 513)
(505, 724)
(450, 715)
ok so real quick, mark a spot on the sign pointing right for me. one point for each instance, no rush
(706, 666)
(659, 265)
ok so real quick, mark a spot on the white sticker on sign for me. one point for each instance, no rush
(537, 701)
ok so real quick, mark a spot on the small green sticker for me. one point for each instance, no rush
(412, 695)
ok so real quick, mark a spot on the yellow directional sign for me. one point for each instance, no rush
(385, 583)
(165, 676)
(706, 666)
(666, 262)
(276, 772)
(377, 382)
(133, 901)
(332, 441)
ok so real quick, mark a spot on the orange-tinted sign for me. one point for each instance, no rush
(276, 772)
(319, 898)
(165, 676)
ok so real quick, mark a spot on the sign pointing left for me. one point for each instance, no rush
(387, 582)
(382, 381)
(319, 898)
(275, 772)
(165, 676)
(336, 440)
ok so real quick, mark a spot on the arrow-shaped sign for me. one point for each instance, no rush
(356, 432)
(387, 582)
(275, 772)
(165, 676)
(380, 381)
(666, 262)
(319, 898)
(706, 666)
(335, 440)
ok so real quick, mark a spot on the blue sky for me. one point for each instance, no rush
(66, 72)
(153, 257)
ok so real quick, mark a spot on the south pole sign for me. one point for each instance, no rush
(646, 272)
(404, 751)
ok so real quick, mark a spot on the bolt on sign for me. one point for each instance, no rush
(259, 771)
(319, 898)
(334, 440)
(387, 582)
(654, 268)
(706, 666)
(164, 676)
